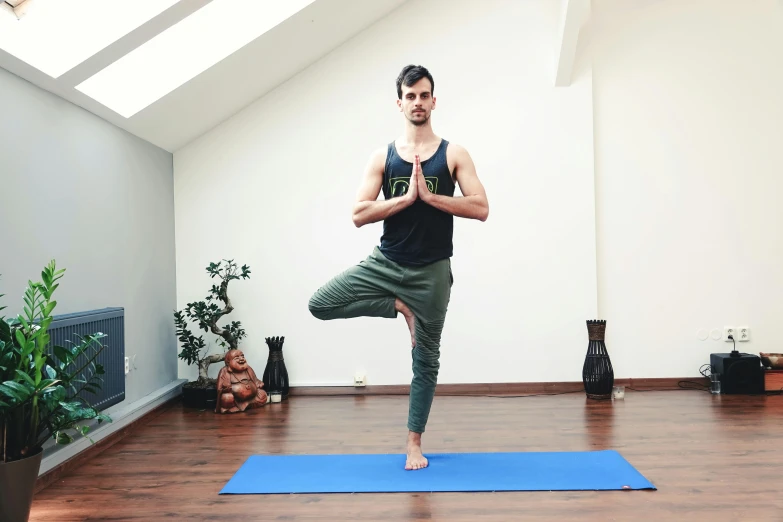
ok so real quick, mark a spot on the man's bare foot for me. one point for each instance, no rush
(409, 318)
(415, 460)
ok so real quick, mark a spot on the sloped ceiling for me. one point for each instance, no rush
(223, 89)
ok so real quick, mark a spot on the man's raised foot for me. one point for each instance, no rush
(409, 318)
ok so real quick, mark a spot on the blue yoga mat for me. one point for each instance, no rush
(376, 473)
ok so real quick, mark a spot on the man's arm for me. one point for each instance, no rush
(473, 203)
(367, 209)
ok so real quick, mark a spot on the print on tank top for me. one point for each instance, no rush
(399, 186)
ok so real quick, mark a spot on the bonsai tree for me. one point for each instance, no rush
(41, 392)
(207, 314)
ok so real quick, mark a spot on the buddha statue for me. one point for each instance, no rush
(238, 387)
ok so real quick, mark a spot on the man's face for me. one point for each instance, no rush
(417, 102)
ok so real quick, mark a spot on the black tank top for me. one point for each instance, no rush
(420, 234)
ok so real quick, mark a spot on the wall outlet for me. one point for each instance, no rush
(127, 365)
(359, 380)
(727, 331)
(743, 334)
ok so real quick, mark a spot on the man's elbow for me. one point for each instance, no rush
(356, 217)
(484, 214)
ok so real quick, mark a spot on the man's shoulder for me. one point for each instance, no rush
(379, 153)
(377, 159)
(455, 149)
(456, 154)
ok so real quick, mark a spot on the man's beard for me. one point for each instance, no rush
(419, 123)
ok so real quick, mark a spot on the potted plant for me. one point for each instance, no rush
(202, 393)
(40, 392)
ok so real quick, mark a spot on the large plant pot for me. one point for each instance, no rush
(202, 397)
(18, 483)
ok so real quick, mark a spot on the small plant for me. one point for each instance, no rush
(40, 394)
(206, 314)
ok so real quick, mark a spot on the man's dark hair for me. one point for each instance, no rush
(411, 74)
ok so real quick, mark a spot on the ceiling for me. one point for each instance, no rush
(169, 82)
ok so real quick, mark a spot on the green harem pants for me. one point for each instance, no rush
(369, 289)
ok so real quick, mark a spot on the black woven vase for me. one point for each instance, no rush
(597, 372)
(275, 374)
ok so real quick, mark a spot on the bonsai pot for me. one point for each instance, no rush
(18, 478)
(772, 360)
(202, 396)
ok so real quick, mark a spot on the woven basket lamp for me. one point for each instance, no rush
(275, 374)
(597, 372)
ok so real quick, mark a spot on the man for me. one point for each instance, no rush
(410, 273)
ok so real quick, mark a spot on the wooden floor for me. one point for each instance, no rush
(712, 458)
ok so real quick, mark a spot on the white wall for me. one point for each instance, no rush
(273, 187)
(688, 127)
(98, 201)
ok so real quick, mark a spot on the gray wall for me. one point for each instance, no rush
(99, 201)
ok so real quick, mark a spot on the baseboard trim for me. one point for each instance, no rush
(124, 421)
(502, 388)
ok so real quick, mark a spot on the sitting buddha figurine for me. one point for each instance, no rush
(238, 388)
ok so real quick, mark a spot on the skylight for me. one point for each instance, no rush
(56, 35)
(185, 50)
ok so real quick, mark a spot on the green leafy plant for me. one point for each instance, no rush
(206, 314)
(41, 393)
